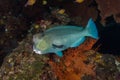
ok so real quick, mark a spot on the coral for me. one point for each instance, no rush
(12, 29)
(24, 65)
(81, 63)
(108, 8)
(72, 65)
(107, 69)
(84, 10)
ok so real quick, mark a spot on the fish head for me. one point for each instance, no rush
(40, 45)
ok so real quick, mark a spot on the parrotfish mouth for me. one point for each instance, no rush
(36, 51)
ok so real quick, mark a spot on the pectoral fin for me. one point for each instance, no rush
(78, 42)
(59, 53)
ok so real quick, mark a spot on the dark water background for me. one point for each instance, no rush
(109, 37)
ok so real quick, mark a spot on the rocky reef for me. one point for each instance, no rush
(21, 19)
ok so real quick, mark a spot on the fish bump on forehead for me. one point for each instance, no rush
(37, 37)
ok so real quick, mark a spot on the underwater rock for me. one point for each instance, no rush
(23, 64)
(79, 63)
(107, 69)
(72, 65)
(85, 10)
(84, 64)
(108, 8)
(13, 29)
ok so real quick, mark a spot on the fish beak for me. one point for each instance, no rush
(36, 51)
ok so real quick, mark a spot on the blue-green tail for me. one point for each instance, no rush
(91, 29)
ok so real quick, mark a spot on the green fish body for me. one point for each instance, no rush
(59, 38)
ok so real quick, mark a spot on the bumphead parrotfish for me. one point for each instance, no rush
(59, 38)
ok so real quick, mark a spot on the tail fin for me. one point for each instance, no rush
(91, 29)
